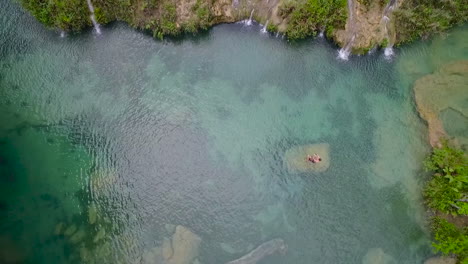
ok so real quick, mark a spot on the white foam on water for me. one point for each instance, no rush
(388, 52)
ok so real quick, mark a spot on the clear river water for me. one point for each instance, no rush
(109, 141)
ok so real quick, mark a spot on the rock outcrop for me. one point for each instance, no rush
(371, 25)
(296, 158)
(444, 90)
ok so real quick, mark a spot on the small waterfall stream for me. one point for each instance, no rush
(264, 29)
(388, 51)
(249, 21)
(93, 18)
(344, 52)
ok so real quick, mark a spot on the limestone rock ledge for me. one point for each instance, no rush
(445, 91)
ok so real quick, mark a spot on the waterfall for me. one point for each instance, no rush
(93, 18)
(62, 34)
(388, 51)
(344, 52)
(321, 34)
(264, 29)
(249, 22)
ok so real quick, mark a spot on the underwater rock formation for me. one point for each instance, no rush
(440, 91)
(265, 249)
(296, 158)
(182, 248)
(185, 246)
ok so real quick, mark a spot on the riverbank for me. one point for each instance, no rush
(355, 25)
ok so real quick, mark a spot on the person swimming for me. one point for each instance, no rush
(314, 158)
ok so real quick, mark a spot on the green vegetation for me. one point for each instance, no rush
(272, 28)
(447, 190)
(305, 19)
(450, 239)
(65, 14)
(384, 43)
(167, 20)
(413, 19)
(420, 18)
(447, 193)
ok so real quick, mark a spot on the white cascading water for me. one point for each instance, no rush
(62, 34)
(93, 18)
(249, 22)
(344, 52)
(321, 34)
(388, 51)
(264, 28)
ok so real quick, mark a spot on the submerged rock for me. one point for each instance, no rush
(102, 179)
(70, 230)
(265, 249)
(296, 158)
(185, 246)
(377, 256)
(92, 214)
(442, 90)
(166, 249)
(100, 235)
(78, 236)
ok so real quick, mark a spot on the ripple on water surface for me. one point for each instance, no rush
(113, 147)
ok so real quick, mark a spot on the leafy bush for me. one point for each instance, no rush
(307, 18)
(449, 239)
(384, 43)
(272, 27)
(167, 21)
(419, 18)
(71, 15)
(448, 187)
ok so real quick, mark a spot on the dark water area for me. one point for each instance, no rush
(107, 142)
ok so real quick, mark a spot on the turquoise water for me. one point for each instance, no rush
(193, 132)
